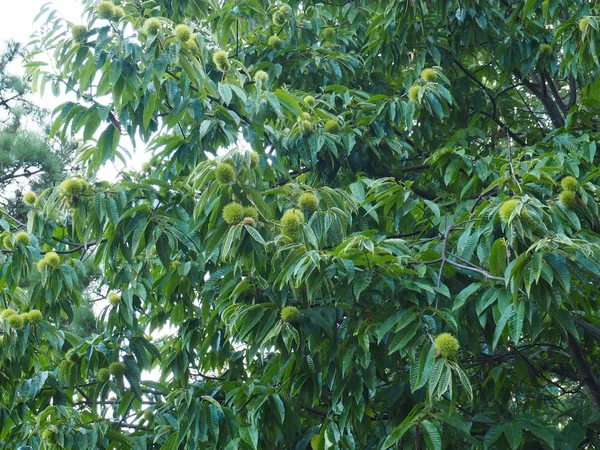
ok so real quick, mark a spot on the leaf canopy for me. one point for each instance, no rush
(445, 112)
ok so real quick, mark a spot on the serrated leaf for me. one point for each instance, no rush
(253, 232)
(361, 282)
(424, 367)
(498, 258)
(225, 92)
(163, 249)
(465, 382)
(274, 102)
(279, 407)
(445, 381)
(434, 377)
(432, 435)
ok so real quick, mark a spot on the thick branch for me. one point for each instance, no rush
(15, 220)
(591, 329)
(415, 168)
(583, 367)
(555, 93)
(572, 92)
(14, 175)
(422, 193)
(81, 246)
(481, 272)
(468, 73)
(494, 114)
(539, 90)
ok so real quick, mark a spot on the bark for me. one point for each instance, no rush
(588, 377)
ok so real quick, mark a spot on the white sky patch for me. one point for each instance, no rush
(16, 20)
(16, 23)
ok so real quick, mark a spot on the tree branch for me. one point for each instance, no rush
(572, 92)
(539, 90)
(14, 175)
(555, 93)
(591, 329)
(587, 375)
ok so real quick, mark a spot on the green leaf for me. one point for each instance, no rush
(493, 434)
(274, 102)
(170, 443)
(434, 377)
(455, 421)
(519, 318)
(163, 249)
(433, 207)
(278, 407)
(255, 234)
(396, 434)
(498, 258)
(401, 339)
(501, 324)
(514, 435)
(420, 377)
(225, 92)
(432, 435)
(361, 282)
(400, 319)
(463, 295)
(528, 8)
(289, 102)
(250, 436)
(465, 382)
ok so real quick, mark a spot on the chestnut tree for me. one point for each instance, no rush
(362, 224)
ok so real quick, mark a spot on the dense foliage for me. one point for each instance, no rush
(364, 225)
